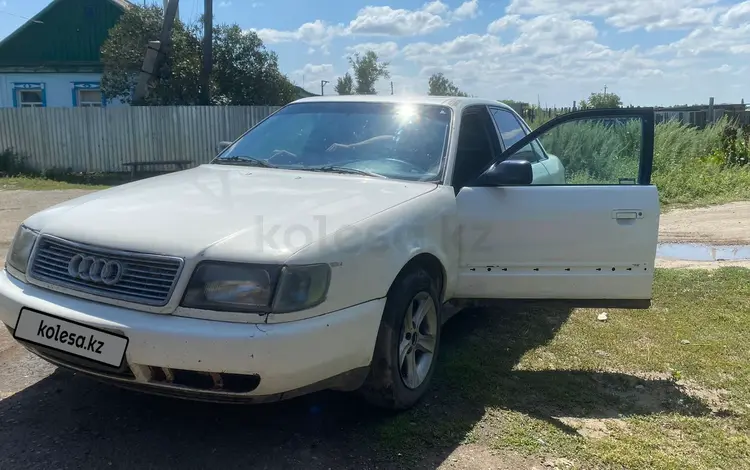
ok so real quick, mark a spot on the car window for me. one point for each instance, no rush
(597, 150)
(394, 140)
(508, 126)
(477, 146)
(511, 131)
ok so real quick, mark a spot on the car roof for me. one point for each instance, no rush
(455, 102)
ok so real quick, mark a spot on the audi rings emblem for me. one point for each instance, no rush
(96, 270)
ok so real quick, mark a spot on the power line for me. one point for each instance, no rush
(21, 16)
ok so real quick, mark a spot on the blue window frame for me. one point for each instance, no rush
(88, 94)
(29, 95)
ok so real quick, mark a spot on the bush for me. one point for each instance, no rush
(13, 163)
(690, 164)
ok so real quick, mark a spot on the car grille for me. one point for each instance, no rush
(142, 278)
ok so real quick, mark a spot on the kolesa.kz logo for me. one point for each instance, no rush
(87, 343)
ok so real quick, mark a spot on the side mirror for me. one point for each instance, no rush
(507, 173)
(223, 145)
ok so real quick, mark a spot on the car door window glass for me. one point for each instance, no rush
(593, 150)
(511, 131)
(508, 126)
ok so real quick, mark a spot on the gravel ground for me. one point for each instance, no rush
(51, 418)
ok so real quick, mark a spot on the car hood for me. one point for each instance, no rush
(224, 212)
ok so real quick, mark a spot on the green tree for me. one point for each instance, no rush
(122, 55)
(602, 100)
(344, 85)
(244, 71)
(512, 103)
(367, 71)
(439, 85)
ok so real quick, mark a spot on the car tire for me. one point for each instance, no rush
(401, 369)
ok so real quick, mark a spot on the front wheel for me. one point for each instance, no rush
(407, 345)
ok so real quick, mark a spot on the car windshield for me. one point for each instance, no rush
(391, 140)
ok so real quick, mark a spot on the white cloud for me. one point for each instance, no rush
(375, 21)
(315, 70)
(662, 17)
(310, 75)
(710, 40)
(225, 4)
(737, 15)
(627, 15)
(436, 8)
(556, 29)
(466, 10)
(549, 53)
(506, 22)
(385, 50)
(725, 68)
(387, 21)
(555, 48)
(316, 33)
(471, 45)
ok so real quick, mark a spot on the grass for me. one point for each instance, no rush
(663, 388)
(691, 166)
(32, 183)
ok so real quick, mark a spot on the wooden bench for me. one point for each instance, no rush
(180, 164)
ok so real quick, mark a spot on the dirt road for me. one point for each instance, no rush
(715, 226)
(54, 419)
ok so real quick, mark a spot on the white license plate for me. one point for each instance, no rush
(71, 337)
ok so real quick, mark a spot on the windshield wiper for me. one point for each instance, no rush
(244, 160)
(343, 169)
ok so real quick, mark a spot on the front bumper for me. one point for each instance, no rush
(328, 351)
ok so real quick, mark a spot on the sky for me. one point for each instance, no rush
(650, 52)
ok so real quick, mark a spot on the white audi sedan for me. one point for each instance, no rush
(325, 249)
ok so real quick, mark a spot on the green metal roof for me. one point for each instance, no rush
(66, 35)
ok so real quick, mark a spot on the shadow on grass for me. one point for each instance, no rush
(68, 421)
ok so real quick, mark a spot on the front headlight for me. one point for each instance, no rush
(302, 287)
(256, 289)
(20, 249)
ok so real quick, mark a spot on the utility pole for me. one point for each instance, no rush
(605, 90)
(166, 4)
(391, 87)
(155, 52)
(208, 59)
(323, 83)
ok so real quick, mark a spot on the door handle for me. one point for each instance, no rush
(627, 214)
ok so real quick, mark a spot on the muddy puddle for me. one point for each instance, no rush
(701, 252)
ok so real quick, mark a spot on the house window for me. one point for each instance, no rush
(90, 98)
(88, 95)
(29, 95)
